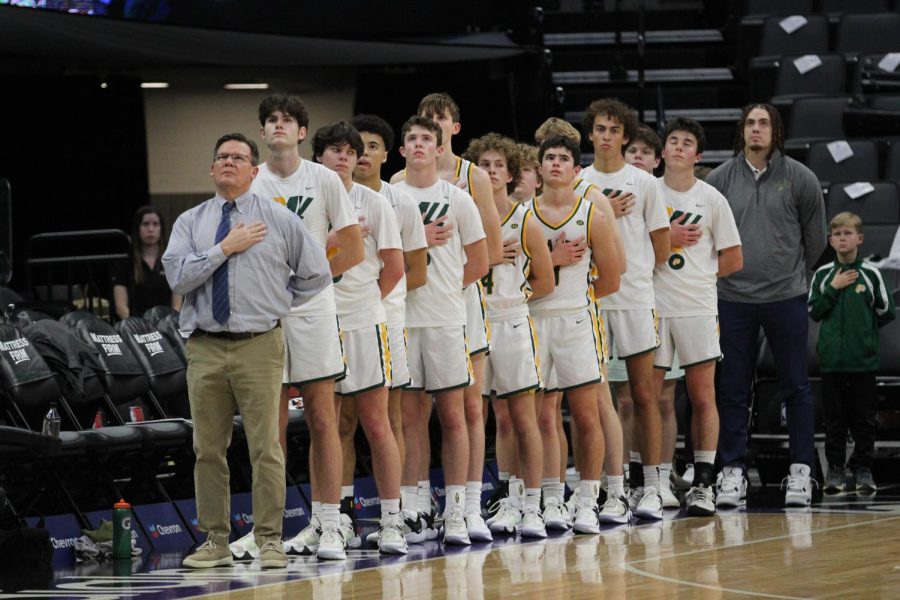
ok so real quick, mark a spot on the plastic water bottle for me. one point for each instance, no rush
(51, 422)
(121, 529)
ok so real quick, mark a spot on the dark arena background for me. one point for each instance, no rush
(110, 105)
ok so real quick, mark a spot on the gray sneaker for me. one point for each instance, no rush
(865, 484)
(214, 552)
(272, 556)
(836, 480)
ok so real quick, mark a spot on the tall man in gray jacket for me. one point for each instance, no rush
(780, 214)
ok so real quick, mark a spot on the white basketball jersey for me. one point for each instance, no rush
(440, 301)
(317, 196)
(412, 234)
(356, 290)
(506, 288)
(464, 170)
(573, 282)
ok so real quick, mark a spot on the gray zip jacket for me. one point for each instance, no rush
(781, 219)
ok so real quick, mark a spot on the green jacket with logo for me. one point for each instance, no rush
(848, 337)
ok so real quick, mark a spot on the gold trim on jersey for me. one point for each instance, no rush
(458, 166)
(386, 350)
(537, 213)
(509, 215)
(524, 239)
(590, 222)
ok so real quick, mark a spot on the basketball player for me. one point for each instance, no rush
(318, 197)
(615, 509)
(686, 295)
(565, 320)
(438, 352)
(358, 295)
(444, 111)
(530, 177)
(644, 151)
(378, 140)
(511, 371)
(630, 313)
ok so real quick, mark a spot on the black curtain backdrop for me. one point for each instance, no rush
(75, 154)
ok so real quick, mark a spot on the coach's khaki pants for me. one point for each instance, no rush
(246, 374)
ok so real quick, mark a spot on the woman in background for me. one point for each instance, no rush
(142, 284)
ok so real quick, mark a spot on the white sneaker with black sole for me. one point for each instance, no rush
(554, 518)
(615, 510)
(731, 488)
(532, 524)
(244, 548)
(507, 518)
(305, 543)
(650, 505)
(701, 501)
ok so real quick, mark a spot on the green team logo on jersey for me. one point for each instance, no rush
(676, 262)
(298, 204)
(514, 226)
(580, 222)
(689, 218)
(431, 212)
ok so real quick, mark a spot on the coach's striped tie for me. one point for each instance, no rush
(220, 303)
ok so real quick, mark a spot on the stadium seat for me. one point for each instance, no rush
(778, 7)
(168, 325)
(812, 38)
(829, 78)
(815, 119)
(878, 239)
(161, 364)
(833, 7)
(126, 383)
(879, 207)
(888, 103)
(892, 167)
(862, 166)
(868, 33)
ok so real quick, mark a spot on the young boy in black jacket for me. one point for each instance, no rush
(850, 299)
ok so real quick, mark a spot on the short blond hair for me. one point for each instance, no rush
(555, 126)
(846, 219)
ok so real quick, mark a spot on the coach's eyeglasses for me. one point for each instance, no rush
(236, 158)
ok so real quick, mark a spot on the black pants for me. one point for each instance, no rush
(849, 400)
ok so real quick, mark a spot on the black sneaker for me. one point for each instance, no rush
(493, 503)
(836, 480)
(865, 484)
(348, 508)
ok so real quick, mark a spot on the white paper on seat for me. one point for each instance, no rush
(840, 150)
(805, 64)
(792, 23)
(889, 62)
(859, 189)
